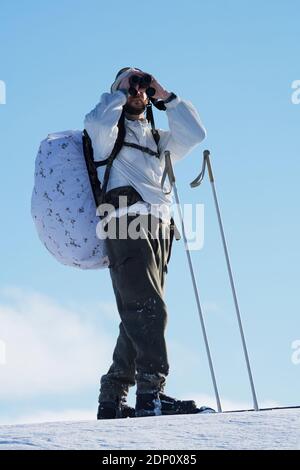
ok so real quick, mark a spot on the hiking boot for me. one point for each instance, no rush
(148, 404)
(115, 410)
(171, 406)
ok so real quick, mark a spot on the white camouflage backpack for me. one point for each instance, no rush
(63, 204)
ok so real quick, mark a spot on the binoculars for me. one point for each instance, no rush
(142, 82)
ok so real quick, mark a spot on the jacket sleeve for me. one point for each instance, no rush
(102, 123)
(186, 130)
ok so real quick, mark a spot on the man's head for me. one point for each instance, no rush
(136, 105)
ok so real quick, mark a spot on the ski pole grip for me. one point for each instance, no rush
(206, 155)
(169, 167)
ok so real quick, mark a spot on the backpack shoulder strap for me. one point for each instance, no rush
(150, 118)
(91, 168)
(98, 190)
(116, 149)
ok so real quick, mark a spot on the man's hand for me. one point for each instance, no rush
(160, 92)
(125, 82)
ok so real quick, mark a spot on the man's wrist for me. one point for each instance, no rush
(171, 97)
(165, 96)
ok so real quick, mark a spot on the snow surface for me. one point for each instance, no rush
(278, 429)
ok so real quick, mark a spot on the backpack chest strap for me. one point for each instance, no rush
(129, 144)
(143, 149)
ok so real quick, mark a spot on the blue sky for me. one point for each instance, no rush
(236, 62)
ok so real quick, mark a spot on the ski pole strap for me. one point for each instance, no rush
(168, 171)
(206, 162)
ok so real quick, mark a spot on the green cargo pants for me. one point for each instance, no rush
(137, 269)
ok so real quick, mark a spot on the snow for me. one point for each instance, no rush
(277, 429)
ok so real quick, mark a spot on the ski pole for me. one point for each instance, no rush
(197, 181)
(169, 171)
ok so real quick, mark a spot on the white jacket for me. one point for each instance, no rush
(132, 167)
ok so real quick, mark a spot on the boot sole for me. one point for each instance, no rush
(145, 414)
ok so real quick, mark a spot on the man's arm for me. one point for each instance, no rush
(186, 130)
(102, 123)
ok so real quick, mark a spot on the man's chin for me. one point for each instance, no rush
(135, 110)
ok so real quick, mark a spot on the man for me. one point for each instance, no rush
(138, 265)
